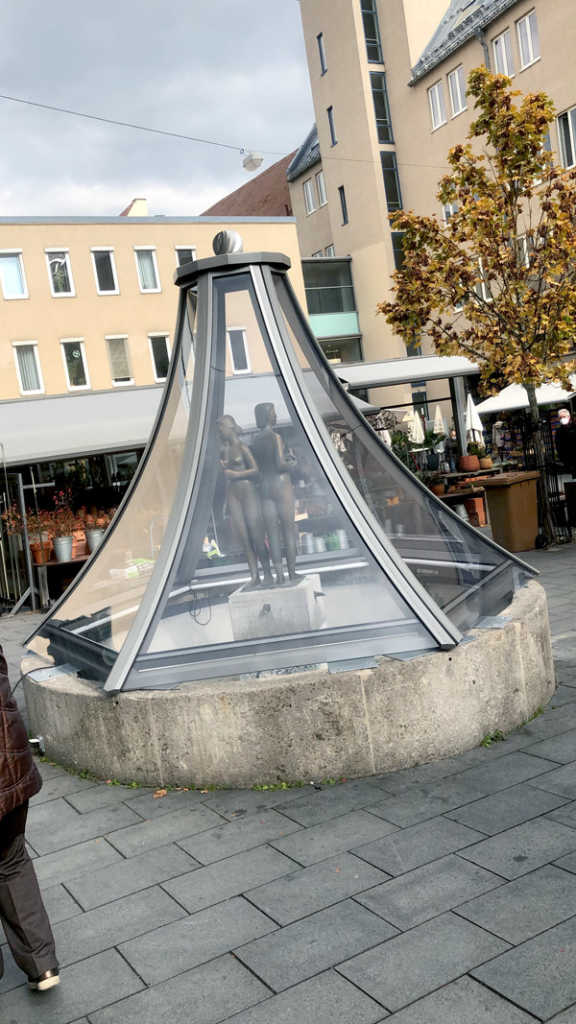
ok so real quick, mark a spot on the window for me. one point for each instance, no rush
(567, 137)
(436, 101)
(331, 126)
(398, 248)
(60, 273)
(308, 189)
(74, 358)
(147, 270)
(321, 52)
(185, 254)
(12, 275)
(330, 250)
(414, 348)
(448, 211)
(371, 31)
(238, 351)
(28, 368)
(321, 188)
(381, 106)
(317, 255)
(329, 287)
(391, 180)
(528, 39)
(482, 287)
(160, 355)
(502, 53)
(343, 204)
(119, 359)
(457, 87)
(105, 271)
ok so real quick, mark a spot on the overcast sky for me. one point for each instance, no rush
(229, 70)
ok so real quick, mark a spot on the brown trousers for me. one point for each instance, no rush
(22, 911)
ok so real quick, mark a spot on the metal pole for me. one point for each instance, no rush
(458, 395)
(26, 540)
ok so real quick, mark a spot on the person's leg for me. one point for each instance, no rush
(22, 911)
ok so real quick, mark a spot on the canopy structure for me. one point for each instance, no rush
(405, 371)
(515, 397)
(267, 528)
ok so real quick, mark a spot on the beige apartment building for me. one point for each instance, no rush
(389, 80)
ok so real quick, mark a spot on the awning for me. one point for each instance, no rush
(404, 371)
(515, 397)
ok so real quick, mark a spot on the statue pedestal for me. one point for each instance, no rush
(271, 611)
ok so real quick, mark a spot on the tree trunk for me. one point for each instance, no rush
(544, 508)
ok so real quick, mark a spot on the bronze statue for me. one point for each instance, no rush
(241, 471)
(276, 490)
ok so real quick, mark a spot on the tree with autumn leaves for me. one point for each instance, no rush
(496, 281)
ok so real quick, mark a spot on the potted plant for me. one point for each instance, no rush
(470, 463)
(63, 522)
(40, 533)
(96, 526)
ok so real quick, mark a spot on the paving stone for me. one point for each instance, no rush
(561, 781)
(148, 806)
(85, 988)
(539, 975)
(563, 694)
(413, 964)
(113, 923)
(508, 771)
(335, 836)
(49, 771)
(52, 815)
(522, 909)
(504, 810)
(566, 1017)
(235, 803)
(147, 835)
(307, 947)
(127, 876)
(66, 864)
(82, 828)
(326, 999)
(428, 891)
(59, 904)
(524, 848)
(61, 785)
(244, 833)
(226, 878)
(398, 782)
(558, 748)
(315, 888)
(403, 851)
(100, 796)
(334, 802)
(423, 802)
(566, 814)
(12, 977)
(195, 940)
(205, 995)
(462, 1002)
(552, 723)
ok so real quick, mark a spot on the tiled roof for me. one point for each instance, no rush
(306, 156)
(266, 195)
(463, 19)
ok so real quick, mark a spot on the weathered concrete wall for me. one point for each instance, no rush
(306, 726)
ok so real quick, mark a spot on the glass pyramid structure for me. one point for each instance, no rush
(267, 528)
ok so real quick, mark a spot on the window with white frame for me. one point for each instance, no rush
(74, 356)
(321, 188)
(318, 254)
(28, 367)
(482, 286)
(448, 211)
(12, 275)
(60, 273)
(437, 105)
(160, 353)
(238, 350)
(330, 250)
(528, 39)
(147, 269)
(502, 54)
(457, 87)
(308, 189)
(119, 359)
(185, 254)
(105, 271)
(322, 52)
(567, 137)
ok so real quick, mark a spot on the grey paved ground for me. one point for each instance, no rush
(440, 894)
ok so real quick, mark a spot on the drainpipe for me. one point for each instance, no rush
(481, 37)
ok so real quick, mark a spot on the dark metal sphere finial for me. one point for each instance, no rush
(226, 242)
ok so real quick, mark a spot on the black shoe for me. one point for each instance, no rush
(46, 980)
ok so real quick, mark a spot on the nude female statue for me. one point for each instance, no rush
(276, 490)
(241, 472)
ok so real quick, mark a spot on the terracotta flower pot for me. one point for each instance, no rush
(438, 488)
(468, 463)
(486, 462)
(41, 551)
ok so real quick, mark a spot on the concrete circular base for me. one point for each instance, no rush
(308, 726)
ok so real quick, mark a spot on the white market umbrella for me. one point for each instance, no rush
(439, 424)
(416, 430)
(514, 397)
(474, 428)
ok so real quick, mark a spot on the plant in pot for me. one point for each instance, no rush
(96, 526)
(471, 462)
(63, 523)
(40, 534)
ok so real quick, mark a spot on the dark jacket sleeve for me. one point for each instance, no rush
(19, 776)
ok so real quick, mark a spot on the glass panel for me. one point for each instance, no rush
(534, 36)
(268, 550)
(321, 53)
(119, 360)
(371, 31)
(238, 349)
(147, 270)
(308, 196)
(331, 125)
(391, 182)
(11, 275)
(509, 69)
(58, 262)
(105, 271)
(381, 106)
(185, 256)
(343, 204)
(160, 355)
(330, 300)
(28, 368)
(398, 248)
(75, 364)
(524, 42)
(103, 605)
(320, 185)
(451, 561)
